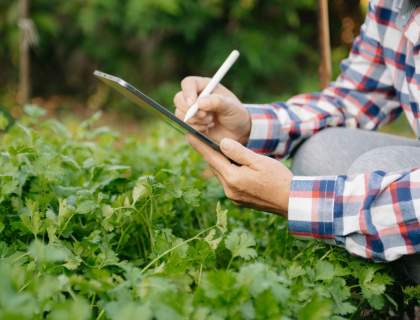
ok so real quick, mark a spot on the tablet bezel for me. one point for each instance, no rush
(141, 99)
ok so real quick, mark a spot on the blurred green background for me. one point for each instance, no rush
(155, 43)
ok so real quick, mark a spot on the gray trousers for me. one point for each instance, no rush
(337, 151)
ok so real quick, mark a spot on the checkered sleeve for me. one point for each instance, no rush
(374, 215)
(363, 96)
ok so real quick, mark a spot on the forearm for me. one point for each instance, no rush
(277, 128)
(375, 215)
(363, 96)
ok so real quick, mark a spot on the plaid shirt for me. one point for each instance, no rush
(374, 215)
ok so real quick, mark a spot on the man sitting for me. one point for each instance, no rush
(351, 186)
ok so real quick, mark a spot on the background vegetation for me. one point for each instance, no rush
(122, 228)
(156, 43)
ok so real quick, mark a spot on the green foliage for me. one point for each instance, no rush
(156, 43)
(97, 226)
(412, 295)
(240, 244)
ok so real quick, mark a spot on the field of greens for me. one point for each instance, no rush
(98, 226)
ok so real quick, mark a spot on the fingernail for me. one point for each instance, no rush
(226, 144)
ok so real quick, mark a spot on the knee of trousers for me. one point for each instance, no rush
(411, 267)
(388, 159)
(318, 154)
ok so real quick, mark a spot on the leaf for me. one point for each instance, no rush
(221, 218)
(172, 305)
(34, 111)
(295, 270)
(240, 243)
(31, 217)
(86, 206)
(47, 253)
(128, 310)
(219, 284)
(89, 122)
(4, 121)
(412, 294)
(65, 212)
(212, 240)
(324, 270)
(317, 309)
(373, 285)
(192, 197)
(377, 302)
(72, 262)
(77, 309)
(141, 190)
(258, 277)
(345, 308)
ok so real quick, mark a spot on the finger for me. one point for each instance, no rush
(212, 157)
(201, 128)
(205, 121)
(191, 88)
(180, 103)
(226, 187)
(201, 114)
(179, 114)
(238, 153)
(215, 103)
(219, 177)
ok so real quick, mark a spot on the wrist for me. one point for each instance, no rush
(285, 196)
(246, 131)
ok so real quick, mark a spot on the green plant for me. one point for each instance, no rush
(95, 226)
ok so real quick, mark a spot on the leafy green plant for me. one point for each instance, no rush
(95, 226)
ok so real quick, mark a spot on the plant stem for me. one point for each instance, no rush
(100, 314)
(176, 247)
(230, 262)
(326, 254)
(25, 286)
(200, 274)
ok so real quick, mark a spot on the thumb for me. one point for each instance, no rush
(237, 152)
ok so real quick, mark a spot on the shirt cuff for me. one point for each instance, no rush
(311, 207)
(265, 129)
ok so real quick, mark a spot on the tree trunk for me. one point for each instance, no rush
(24, 61)
(325, 70)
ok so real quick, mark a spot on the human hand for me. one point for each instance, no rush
(221, 114)
(258, 181)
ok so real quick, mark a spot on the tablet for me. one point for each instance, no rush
(140, 99)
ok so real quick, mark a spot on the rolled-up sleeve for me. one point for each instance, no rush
(363, 96)
(374, 215)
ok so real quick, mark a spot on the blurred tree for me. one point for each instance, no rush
(155, 43)
(26, 38)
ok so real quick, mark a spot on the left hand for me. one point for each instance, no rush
(258, 181)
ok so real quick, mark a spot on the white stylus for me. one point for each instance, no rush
(213, 83)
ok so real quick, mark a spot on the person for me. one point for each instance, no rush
(349, 185)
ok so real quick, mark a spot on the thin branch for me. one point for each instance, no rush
(325, 69)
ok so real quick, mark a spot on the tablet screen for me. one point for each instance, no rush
(140, 99)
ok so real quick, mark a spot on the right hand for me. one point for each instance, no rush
(221, 114)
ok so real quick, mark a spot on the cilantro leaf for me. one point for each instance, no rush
(241, 244)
